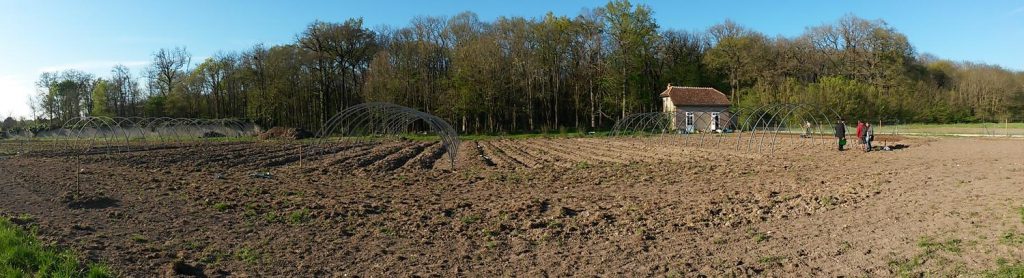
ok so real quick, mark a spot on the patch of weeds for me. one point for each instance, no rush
(386, 231)
(640, 232)
(907, 267)
(287, 202)
(582, 165)
(137, 238)
(496, 177)
(930, 249)
(554, 224)
(248, 256)
(1012, 238)
(759, 236)
(194, 245)
(771, 260)
(492, 244)
(221, 207)
(515, 178)
(930, 245)
(214, 257)
(24, 218)
(845, 246)
(828, 201)
(271, 217)
(470, 219)
(468, 174)
(1004, 269)
(96, 271)
(1021, 212)
(250, 211)
(22, 255)
(298, 217)
(489, 233)
(720, 241)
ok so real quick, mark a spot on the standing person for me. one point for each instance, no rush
(841, 133)
(869, 135)
(807, 129)
(860, 132)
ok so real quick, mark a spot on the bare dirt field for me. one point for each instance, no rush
(531, 207)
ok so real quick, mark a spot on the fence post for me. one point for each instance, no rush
(898, 123)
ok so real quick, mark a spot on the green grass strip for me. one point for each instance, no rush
(21, 255)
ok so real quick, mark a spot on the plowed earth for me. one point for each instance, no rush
(535, 207)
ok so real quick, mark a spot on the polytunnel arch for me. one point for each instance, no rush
(115, 134)
(753, 129)
(769, 123)
(792, 114)
(97, 124)
(387, 119)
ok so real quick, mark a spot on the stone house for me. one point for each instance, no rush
(696, 109)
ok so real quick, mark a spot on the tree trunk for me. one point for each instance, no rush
(623, 91)
(593, 107)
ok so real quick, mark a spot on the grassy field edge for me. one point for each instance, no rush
(22, 255)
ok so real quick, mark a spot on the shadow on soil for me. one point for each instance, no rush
(94, 203)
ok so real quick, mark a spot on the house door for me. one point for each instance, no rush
(689, 122)
(714, 121)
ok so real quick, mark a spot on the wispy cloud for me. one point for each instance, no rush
(92, 66)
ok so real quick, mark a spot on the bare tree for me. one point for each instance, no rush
(169, 65)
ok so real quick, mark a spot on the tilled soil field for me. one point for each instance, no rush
(533, 207)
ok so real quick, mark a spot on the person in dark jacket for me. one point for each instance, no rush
(841, 133)
(869, 135)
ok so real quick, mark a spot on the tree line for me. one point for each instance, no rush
(518, 74)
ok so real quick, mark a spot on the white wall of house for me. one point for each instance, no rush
(702, 117)
(667, 105)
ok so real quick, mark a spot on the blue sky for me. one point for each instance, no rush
(39, 36)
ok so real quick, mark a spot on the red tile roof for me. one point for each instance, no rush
(695, 96)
